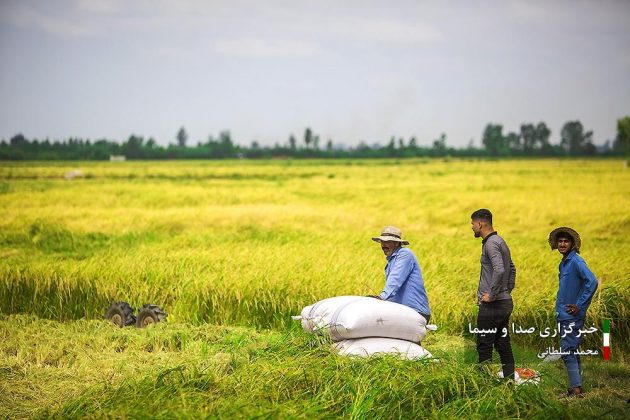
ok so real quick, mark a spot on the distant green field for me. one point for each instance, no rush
(249, 243)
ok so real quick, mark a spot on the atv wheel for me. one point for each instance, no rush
(121, 314)
(150, 314)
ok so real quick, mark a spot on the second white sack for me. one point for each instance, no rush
(374, 346)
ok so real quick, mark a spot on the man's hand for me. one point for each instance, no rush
(486, 297)
(572, 309)
(375, 297)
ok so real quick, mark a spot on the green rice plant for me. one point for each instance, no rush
(251, 243)
(87, 369)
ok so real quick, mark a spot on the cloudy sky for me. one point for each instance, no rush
(352, 70)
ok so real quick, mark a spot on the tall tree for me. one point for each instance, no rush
(225, 145)
(18, 140)
(439, 144)
(513, 140)
(528, 136)
(292, 142)
(391, 147)
(622, 141)
(574, 139)
(542, 136)
(308, 137)
(134, 142)
(182, 137)
(492, 139)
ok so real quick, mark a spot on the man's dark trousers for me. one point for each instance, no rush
(493, 315)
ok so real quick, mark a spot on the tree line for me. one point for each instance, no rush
(530, 140)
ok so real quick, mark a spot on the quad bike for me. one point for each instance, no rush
(122, 315)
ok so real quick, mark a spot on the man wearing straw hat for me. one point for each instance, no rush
(403, 277)
(577, 285)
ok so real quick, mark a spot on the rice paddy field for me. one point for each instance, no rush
(232, 249)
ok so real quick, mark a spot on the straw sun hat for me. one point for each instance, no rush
(553, 237)
(390, 233)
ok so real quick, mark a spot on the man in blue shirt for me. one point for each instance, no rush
(403, 277)
(577, 285)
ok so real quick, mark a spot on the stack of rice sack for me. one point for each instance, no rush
(363, 326)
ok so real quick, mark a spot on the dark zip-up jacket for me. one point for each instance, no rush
(498, 273)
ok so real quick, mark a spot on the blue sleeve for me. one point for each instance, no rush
(401, 269)
(590, 284)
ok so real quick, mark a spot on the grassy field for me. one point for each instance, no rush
(232, 249)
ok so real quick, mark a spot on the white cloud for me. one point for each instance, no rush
(530, 9)
(100, 6)
(285, 28)
(381, 30)
(30, 17)
(256, 47)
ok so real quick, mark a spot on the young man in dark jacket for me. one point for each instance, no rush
(496, 281)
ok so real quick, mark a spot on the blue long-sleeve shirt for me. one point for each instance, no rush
(404, 283)
(577, 286)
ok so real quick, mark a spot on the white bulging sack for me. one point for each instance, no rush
(366, 347)
(345, 317)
